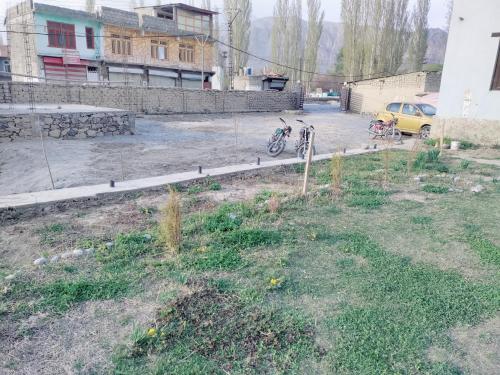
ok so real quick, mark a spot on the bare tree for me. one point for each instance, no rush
(295, 46)
(279, 48)
(90, 6)
(314, 31)
(420, 32)
(242, 9)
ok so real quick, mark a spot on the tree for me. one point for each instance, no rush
(314, 31)
(376, 34)
(420, 32)
(279, 49)
(90, 6)
(242, 10)
(294, 54)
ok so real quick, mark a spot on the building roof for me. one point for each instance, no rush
(185, 7)
(118, 17)
(63, 12)
(155, 24)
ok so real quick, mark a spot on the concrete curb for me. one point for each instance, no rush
(18, 202)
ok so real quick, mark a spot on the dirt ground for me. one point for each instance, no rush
(168, 144)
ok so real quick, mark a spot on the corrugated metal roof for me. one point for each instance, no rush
(63, 12)
(118, 17)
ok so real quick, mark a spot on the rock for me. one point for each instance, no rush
(66, 254)
(78, 252)
(477, 189)
(420, 178)
(456, 179)
(55, 259)
(110, 245)
(40, 261)
(89, 251)
(232, 216)
(147, 237)
(10, 277)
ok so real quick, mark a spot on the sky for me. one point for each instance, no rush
(261, 8)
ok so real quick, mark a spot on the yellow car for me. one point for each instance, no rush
(415, 118)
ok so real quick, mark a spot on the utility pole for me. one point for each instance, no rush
(231, 53)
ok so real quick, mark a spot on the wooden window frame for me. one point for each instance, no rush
(186, 53)
(89, 37)
(121, 45)
(495, 81)
(57, 29)
(156, 44)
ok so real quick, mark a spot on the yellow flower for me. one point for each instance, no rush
(152, 332)
(275, 282)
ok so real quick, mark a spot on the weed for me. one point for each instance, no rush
(195, 189)
(433, 156)
(49, 234)
(273, 204)
(215, 186)
(223, 334)
(464, 164)
(336, 174)
(466, 145)
(169, 229)
(126, 247)
(263, 196)
(436, 189)
(249, 238)
(213, 259)
(431, 142)
(227, 217)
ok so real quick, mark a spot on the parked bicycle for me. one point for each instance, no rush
(277, 143)
(302, 145)
(387, 130)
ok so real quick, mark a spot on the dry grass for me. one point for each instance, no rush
(412, 155)
(169, 228)
(336, 174)
(273, 204)
(386, 164)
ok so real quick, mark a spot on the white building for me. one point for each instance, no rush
(469, 102)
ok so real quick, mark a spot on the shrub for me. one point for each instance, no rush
(215, 186)
(170, 235)
(466, 145)
(431, 142)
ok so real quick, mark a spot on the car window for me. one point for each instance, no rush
(428, 109)
(409, 109)
(393, 107)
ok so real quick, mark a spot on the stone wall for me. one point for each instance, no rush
(66, 125)
(160, 100)
(482, 132)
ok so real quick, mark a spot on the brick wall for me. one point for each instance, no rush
(154, 99)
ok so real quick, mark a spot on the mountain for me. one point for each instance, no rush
(330, 44)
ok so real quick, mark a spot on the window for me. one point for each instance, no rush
(61, 35)
(409, 110)
(121, 45)
(188, 21)
(186, 53)
(393, 107)
(159, 50)
(495, 85)
(89, 36)
(427, 109)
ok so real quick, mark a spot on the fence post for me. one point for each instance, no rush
(308, 164)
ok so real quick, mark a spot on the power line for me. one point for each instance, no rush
(194, 35)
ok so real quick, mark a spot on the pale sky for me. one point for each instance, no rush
(261, 8)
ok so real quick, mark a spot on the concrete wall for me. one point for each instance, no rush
(468, 108)
(154, 99)
(470, 61)
(66, 125)
(370, 96)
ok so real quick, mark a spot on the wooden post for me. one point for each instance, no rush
(441, 141)
(308, 164)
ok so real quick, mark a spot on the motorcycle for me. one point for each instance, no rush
(277, 143)
(386, 129)
(302, 145)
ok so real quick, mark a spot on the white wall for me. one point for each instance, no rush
(470, 62)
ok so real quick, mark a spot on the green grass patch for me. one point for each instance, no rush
(126, 247)
(50, 234)
(228, 217)
(407, 307)
(421, 220)
(487, 250)
(435, 189)
(249, 238)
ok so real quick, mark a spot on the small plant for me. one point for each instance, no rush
(215, 186)
(464, 164)
(336, 174)
(170, 235)
(431, 142)
(466, 145)
(433, 156)
(435, 189)
(273, 204)
(195, 189)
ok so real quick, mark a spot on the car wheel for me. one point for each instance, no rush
(425, 132)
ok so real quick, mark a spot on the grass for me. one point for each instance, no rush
(435, 189)
(169, 229)
(50, 234)
(352, 286)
